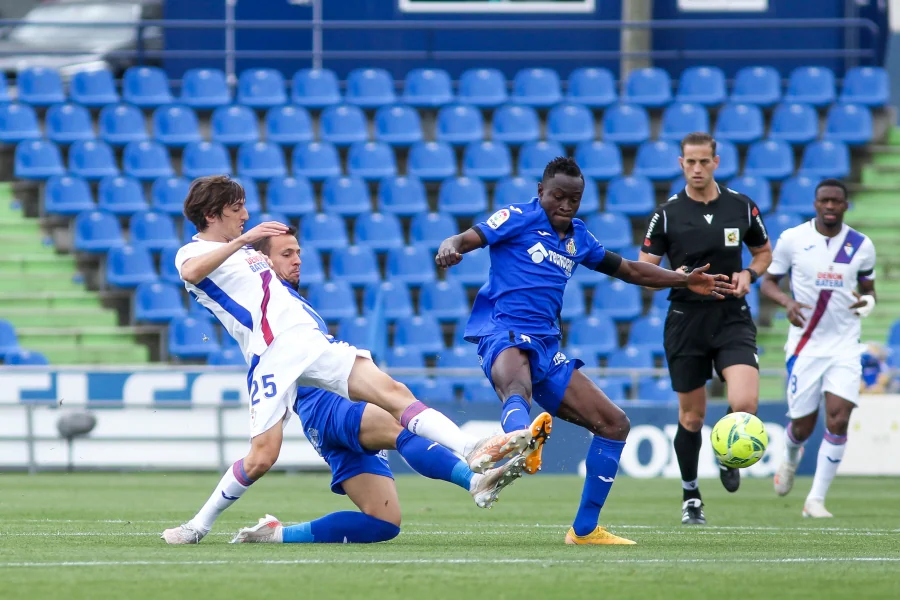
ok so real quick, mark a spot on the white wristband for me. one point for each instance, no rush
(864, 311)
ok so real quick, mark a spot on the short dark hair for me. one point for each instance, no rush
(208, 197)
(698, 138)
(263, 245)
(831, 182)
(561, 164)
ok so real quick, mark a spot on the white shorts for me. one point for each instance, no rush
(812, 376)
(301, 356)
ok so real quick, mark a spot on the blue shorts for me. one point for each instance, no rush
(331, 424)
(550, 369)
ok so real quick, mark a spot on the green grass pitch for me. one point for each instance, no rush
(92, 536)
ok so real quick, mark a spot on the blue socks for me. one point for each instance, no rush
(602, 464)
(516, 414)
(345, 527)
(433, 460)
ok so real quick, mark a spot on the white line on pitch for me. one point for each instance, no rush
(698, 532)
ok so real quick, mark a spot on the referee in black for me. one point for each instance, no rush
(708, 223)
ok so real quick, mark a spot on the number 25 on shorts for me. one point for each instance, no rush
(268, 389)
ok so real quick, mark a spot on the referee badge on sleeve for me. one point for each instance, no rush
(732, 236)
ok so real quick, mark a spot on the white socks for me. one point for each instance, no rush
(231, 487)
(792, 447)
(430, 424)
(831, 452)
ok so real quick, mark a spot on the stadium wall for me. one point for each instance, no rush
(164, 418)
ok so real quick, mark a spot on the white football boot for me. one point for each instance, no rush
(267, 531)
(814, 508)
(784, 476)
(183, 534)
(491, 483)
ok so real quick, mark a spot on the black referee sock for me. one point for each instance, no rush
(687, 450)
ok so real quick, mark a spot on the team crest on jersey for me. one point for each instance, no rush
(498, 218)
(849, 249)
(313, 435)
(732, 236)
(570, 246)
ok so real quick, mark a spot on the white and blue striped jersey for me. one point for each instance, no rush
(246, 296)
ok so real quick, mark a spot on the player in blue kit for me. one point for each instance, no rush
(352, 437)
(535, 248)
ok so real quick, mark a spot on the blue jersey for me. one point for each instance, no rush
(530, 266)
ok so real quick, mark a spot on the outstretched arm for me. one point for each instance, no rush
(196, 269)
(451, 250)
(650, 275)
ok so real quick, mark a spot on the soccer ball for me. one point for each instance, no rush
(739, 440)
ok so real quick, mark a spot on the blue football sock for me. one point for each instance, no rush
(345, 527)
(602, 465)
(515, 415)
(433, 460)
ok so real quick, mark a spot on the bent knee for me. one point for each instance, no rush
(837, 424)
(692, 421)
(387, 513)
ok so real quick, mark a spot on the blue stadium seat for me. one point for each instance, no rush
(613, 387)
(158, 302)
(146, 87)
(570, 124)
(729, 162)
(413, 265)
(479, 392)
(430, 229)
(757, 85)
(121, 195)
(356, 331)
(702, 85)
(193, 337)
(739, 123)
(590, 198)
(779, 222)
(398, 125)
(850, 124)
(630, 357)
(18, 122)
(371, 160)
(167, 270)
(370, 88)
(234, 125)
(613, 230)
(311, 269)
(514, 190)
(316, 161)
(378, 231)
(345, 196)
(315, 88)
(403, 357)
(92, 160)
(826, 159)
(66, 195)
(459, 124)
(534, 156)
(473, 270)
(343, 125)
(757, 188)
(205, 158)
(121, 124)
(513, 124)
(403, 196)
(894, 334)
(617, 300)
(67, 123)
(656, 389)
(251, 196)
(659, 303)
(811, 85)
(626, 125)
(676, 186)
(647, 332)
(537, 87)
(257, 217)
(37, 159)
(680, 119)
(93, 88)
(226, 357)
(40, 86)
(333, 300)
(631, 196)
(421, 333)
(650, 86)
(431, 161)
(153, 231)
(356, 265)
(204, 88)
(261, 160)
(591, 87)
(9, 341)
(868, 86)
(794, 123)
(4, 90)
(487, 160)
(770, 159)
(482, 87)
(427, 88)
(324, 232)
(444, 300)
(146, 160)
(22, 357)
(261, 88)
(462, 196)
(288, 125)
(168, 193)
(290, 196)
(396, 302)
(460, 357)
(599, 160)
(596, 335)
(797, 196)
(129, 266)
(573, 305)
(657, 160)
(188, 231)
(175, 125)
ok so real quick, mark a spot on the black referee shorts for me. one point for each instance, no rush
(699, 337)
